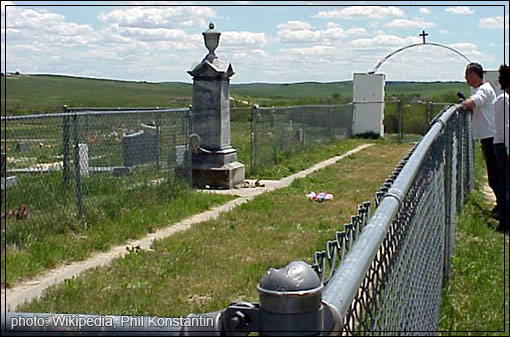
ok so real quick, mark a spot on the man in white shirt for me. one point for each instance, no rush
(481, 103)
(501, 146)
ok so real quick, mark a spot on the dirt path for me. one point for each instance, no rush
(33, 288)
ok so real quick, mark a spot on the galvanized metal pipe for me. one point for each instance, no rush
(302, 106)
(88, 113)
(345, 283)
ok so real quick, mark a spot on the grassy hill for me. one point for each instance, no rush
(47, 93)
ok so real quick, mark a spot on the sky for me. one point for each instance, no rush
(295, 41)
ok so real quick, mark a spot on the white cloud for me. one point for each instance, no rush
(45, 27)
(459, 10)
(313, 51)
(404, 23)
(424, 10)
(159, 17)
(493, 22)
(444, 32)
(385, 41)
(358, 12)
(242, 39)
(294, 25)
(155, 34)
(298, 36)
(469, 49)
(301, 32)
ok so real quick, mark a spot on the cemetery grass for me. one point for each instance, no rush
(114, 211)
(283, 164)
(219, 261)
(475, 302)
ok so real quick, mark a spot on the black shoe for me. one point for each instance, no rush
(495, 213)
(495, 210)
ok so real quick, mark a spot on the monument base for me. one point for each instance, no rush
(214, 158)
(223, 177)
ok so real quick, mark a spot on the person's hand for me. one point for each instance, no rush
(469, 104)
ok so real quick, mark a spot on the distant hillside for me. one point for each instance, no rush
(47, 93)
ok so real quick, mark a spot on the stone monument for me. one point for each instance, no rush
(214, 159)
(368, 96)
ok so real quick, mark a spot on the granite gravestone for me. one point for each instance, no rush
(139, 148)
(214, 163)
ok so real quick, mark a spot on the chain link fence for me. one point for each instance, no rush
(410, 120)
(384, 272)
(89, 163)
(381, 274)
(279, 131)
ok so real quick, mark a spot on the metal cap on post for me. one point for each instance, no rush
(290, 305)
(290, 301)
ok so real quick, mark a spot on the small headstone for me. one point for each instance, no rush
(181, 154)
(22, 147)
(83, 153)
(9, 182)
(300, 135)
(118, 171)
(139, 148)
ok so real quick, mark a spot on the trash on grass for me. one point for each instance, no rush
(319, 197)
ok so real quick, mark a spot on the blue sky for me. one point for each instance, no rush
(321, 41)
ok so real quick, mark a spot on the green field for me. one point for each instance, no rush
(47, 93)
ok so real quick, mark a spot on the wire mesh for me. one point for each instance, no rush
(410, 120)
(399, 290)
(78, 167)
(277, 132)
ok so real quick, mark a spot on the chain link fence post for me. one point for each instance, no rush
(188, 128)
(430, 107)
(399, 120)
(76, 159)
(158, 140)
(253, 152)
(65, 147)
(330, 123)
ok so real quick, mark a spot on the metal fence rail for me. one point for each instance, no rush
(390, 280)
(409, 120)
(278, 131)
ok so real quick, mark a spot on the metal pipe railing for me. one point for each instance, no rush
(80, 112)
(345, 283)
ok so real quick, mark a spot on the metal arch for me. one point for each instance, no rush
(416, 45)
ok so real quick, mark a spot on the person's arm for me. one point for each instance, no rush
(469, 104)
(475, 100)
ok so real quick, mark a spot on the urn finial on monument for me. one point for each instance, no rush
(211, 39)
(214, 159)
(211, 66)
